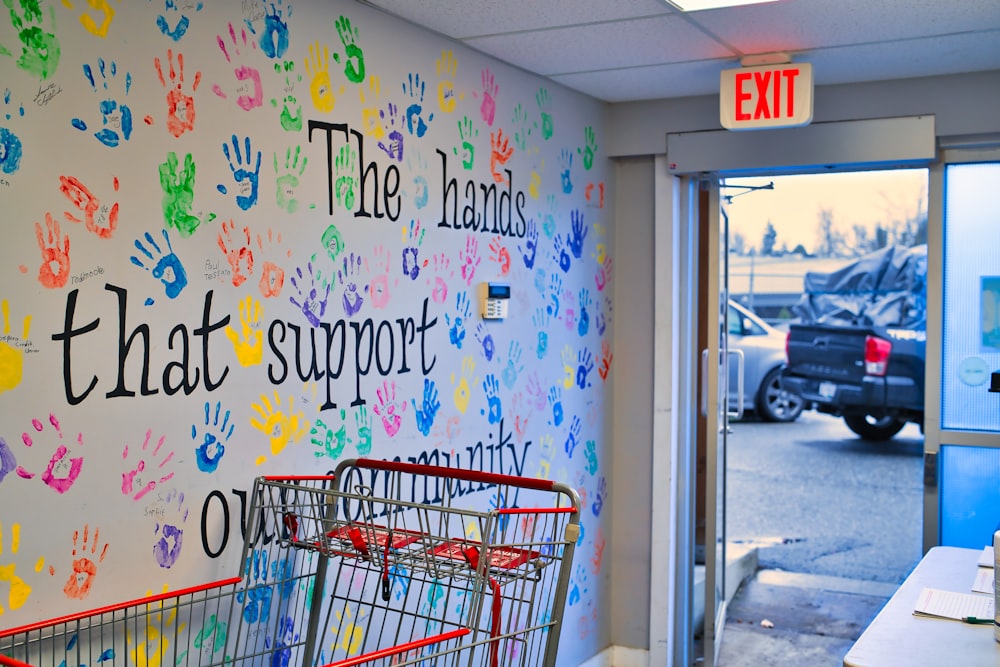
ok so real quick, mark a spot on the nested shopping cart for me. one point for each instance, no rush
(382, 563)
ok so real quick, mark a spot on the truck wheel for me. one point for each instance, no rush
(775, 403)
(876, 429)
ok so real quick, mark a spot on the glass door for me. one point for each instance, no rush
(715, 391)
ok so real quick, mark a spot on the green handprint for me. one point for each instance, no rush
(178, 195)
(39, 49)
(354, 68)
(346, 179)
(289, 180)
(329, 442)
(364, 423)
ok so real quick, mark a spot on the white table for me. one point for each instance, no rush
(897, 637)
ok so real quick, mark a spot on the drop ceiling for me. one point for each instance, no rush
(630, 50)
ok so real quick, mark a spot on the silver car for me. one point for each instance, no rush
(763, 348)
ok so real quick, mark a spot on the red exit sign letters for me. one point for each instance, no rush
(769, 96)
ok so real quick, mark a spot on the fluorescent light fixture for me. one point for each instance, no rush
(698, 5)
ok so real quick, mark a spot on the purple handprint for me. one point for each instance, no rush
(348, 277)
(313, 304)
(167, 549)
(392, 145)
(485, 339)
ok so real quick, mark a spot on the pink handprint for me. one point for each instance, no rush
(62, 470)
(252, 95)
(388, 409)
(135, 482)
(470, 259)
(488, 108)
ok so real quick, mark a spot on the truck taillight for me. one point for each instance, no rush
(877, 352)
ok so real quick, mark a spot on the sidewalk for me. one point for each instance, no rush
(781, 618)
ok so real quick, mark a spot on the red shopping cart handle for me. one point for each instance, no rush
(453, 473)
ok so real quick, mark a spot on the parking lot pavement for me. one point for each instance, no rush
(780, 618)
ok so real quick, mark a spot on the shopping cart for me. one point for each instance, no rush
(412, 577)
(374, 565)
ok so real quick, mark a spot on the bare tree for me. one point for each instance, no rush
(829, 241)
(770, 238)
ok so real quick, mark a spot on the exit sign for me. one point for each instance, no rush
(752, 98)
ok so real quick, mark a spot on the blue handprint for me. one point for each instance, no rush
(168, 268)
(183, 23)
(212, 447)
(604, 317)
(514, 365)
(579, 233)
(499, 502)
(560, 251)
(456, 331)
(115, 117)
(492, 388)
(602, 492)
(274, 40)
(590, 450)
(313, 304)
(555, 400)
(530, 245)
(541, 321)
(10, 144)
(351, 299)
(258, 598)
(572, 436)
(485, 339)
(414, 88)
(585, 361)
(555, 288)
(428, 411)
(246, 180)
(584, 324)
(566, 164)
(283, 652)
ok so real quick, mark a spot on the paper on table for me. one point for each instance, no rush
(957, 606)
(984, 581)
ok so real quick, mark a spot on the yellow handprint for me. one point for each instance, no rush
(150, 652)
(447, 66)
(19, 591)
(353, 633)
(11, 359)
(102, 6)
(371, 119)
(462, 391)
(320, 85)
(248, 344)
(280, 428)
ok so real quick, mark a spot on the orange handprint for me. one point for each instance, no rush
(99, 220)
(54, 270)
(84, 569)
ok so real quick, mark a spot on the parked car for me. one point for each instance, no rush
(763, 348)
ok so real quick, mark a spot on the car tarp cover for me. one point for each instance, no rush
(886, 288)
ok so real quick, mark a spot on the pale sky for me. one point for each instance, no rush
(793, 205)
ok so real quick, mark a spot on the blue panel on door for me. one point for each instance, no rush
(969, 489)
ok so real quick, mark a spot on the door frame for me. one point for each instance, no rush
(905, 142)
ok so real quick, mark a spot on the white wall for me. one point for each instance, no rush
(149, 154)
